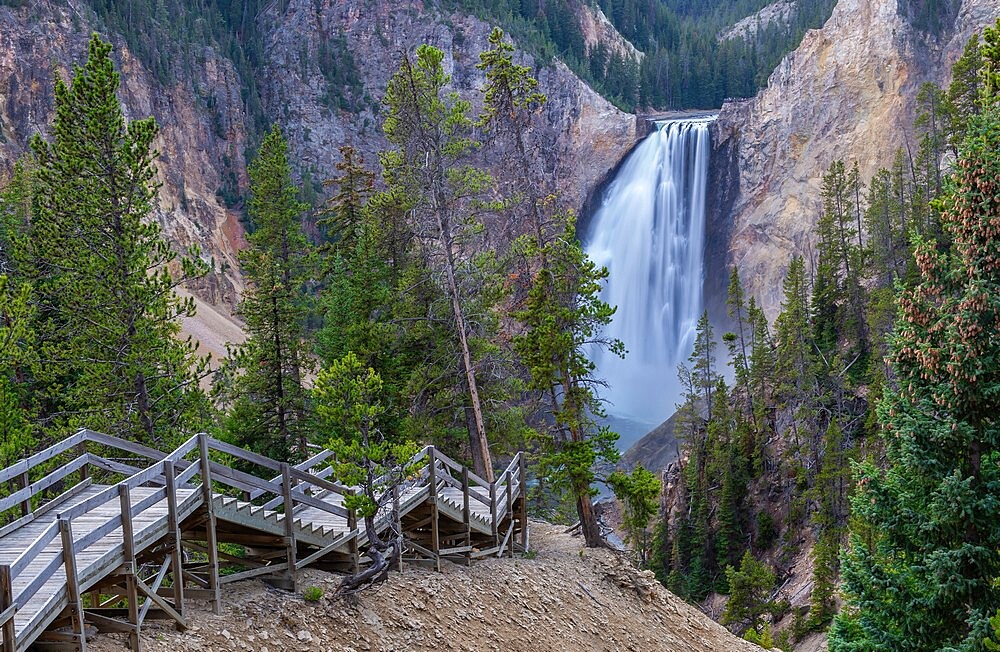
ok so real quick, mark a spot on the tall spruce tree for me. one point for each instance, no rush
(430, 131)
(107, 318)
(563, 316)
(924, 552)
(265, 389)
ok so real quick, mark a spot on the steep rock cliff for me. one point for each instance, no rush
(205, 130)
(848, 92)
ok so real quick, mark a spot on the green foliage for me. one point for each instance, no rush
(761, 636)
(312, 594)
(349, 409)
(639, 493)
(108, 320)
(750, 588)
(262, 380)
(924, 538)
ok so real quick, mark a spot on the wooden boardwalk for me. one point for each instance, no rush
(102, 534)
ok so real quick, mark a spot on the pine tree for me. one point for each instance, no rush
(264, 384)
(562, 316)
(924, 538)
(17, 358)
(349, 407)
(107, 315)
(429, 129)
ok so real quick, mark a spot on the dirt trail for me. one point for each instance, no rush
(564, 598)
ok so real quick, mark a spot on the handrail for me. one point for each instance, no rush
(298, 485)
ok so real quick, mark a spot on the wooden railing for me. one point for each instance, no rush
(197, 468)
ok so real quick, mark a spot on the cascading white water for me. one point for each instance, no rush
(650, 233)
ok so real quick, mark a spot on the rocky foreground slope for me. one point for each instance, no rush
(563, 598)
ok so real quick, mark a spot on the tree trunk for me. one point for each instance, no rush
(588, 520)
(477, 436)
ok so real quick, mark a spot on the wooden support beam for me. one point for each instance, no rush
(466, 515)
(174, 540)
(432, 487)
(161, 603)
(212, 541)
(523, 490)
(510, 510)
(493, 512)
(72, 585)
(398, 524)
(7, 607)
(23, 482)
(291, 547)
(352, 526)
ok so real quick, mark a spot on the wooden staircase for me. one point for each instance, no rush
(119, 533)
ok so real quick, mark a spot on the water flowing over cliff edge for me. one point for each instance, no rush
(650, 233)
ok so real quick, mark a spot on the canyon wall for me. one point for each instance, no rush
(205, 130)
(848, 92)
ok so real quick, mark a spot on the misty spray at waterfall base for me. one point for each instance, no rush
(650, 234)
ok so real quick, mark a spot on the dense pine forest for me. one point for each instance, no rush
(685, 62)
(861, 424)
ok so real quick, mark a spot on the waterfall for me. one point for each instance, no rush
(650, 233)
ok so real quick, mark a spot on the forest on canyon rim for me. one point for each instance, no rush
(866, 410)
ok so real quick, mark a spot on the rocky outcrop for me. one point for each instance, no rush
(848, 92)
(205, 129)
(780, 13)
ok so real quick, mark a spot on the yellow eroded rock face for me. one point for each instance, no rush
(848, 92)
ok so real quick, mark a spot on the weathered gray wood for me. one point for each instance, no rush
(455, 466)
(522, 466)
(72, 587)
(161, 603)
(145, 589)
(92, 537)
(242, 481)
(174, 541)
(128, 548)
(254, 572)
(185, 476)
(212, 542)
(290, 545)
(157, 496)
(113, 465)
(123, 445)
(23, 466)
(466, 514)
(105, 624)
(242, 454)
(46, 537)
(8, 609)
(317, 481)
(43, 576)
(25, 494)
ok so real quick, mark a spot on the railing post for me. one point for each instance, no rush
(510, 512)
(173, 527)
(435, 533)
(466, 515)
(398, 524)
(23, 481)
(6, 600)
(352, 525)
(81, 450)
(290, 544)
(131, 588)
(211, 537)
(523, 490)
(493, 512)
(72, 586)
